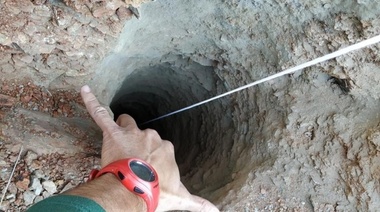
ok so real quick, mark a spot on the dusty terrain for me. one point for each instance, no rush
(304, 142)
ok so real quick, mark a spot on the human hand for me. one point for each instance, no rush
(123, 139)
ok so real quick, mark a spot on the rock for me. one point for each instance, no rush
(30, 156)
(10, 196)
(26, 59)
(36, 186)
(5, 40)
(36, 165)
(16, 148)
(102, 12)
(45, 194)
(74, 28)
(45, 48)
(49, 186)
(23, 184)
(67, 187)
(263, 191)
(5, 206)
(60, 182)
(7, 68)
(12, 188)
(38, 198)
(38, 2)
(29, 197)
(107, 9)
(6, 101)
(43, 12)
(39, 174)
(25, 6)
(124, 14)
(135, 11)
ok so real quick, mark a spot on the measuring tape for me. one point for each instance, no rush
(324, 58)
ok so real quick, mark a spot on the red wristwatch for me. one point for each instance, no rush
(137, 176)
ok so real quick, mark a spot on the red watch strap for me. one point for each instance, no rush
(93, 174)
(147, 189)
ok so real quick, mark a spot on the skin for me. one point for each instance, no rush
(123, 139)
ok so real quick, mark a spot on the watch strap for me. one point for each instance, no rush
(149, 191)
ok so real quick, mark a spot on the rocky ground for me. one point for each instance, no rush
(304, 142)
(56, 42)
(45, 46)
(56, 156)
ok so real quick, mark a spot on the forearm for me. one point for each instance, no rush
(108, 192)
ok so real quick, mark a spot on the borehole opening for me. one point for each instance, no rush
(198, 134)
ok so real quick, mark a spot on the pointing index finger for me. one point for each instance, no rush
(97, 112)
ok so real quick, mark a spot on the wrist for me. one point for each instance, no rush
(135, 175)
(109, 193)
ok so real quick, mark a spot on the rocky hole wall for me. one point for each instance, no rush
(178, 54)
(306, 141)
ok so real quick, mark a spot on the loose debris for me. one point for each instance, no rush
(46, 175)
(10, 177)
(38, 98)
(6, 101)
(38, 176)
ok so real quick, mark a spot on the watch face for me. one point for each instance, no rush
(142, 171)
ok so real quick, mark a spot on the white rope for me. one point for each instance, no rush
(10, 176)
(324, 58)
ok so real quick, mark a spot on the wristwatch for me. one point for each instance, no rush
(137, 176)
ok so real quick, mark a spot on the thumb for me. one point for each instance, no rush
(195, 203)
(184, 201)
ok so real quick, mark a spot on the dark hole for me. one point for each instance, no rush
(197, 135)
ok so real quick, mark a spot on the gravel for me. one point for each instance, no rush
(49, 186)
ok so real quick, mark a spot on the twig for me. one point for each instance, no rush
(10, 177)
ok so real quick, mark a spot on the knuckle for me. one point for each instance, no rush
(90, 100)
(152, 133)
(169, 145)
(100, 111)
(134, 130)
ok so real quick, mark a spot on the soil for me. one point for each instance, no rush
(304, 142)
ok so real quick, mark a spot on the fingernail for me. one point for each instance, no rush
(86, 89)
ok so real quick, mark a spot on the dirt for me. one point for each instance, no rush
(37, 98)
(45, 48)
(304, 142)
(55, 149)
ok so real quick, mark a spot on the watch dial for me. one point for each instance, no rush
(142, 171)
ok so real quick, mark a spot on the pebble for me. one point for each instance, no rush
(67, 187)
(10, 196)
(5, 40)
(29, 197)
(49, 186)
(30, 157)
(39, 174)
(16, 148)
(102, 12)
(23, 184)
(45, 194)
(38, 198)
(36, 186)
(12, 188)
(263, 191)
(124, 13)
(38, 2)
(60, 182)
